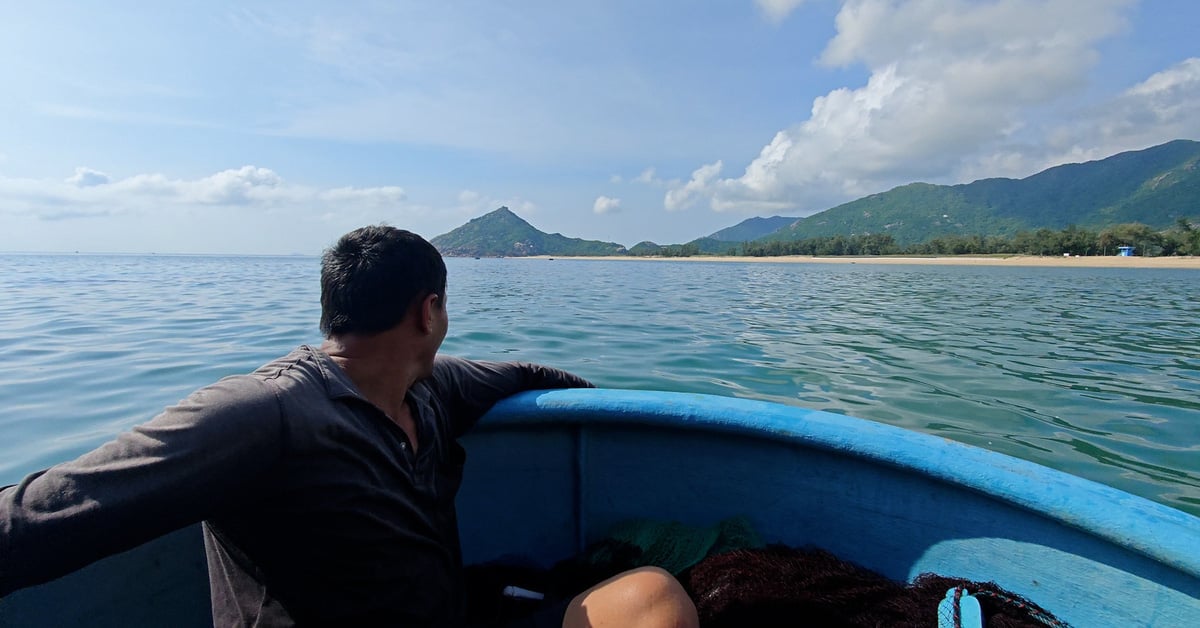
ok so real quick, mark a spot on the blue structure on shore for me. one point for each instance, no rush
(1125, 251)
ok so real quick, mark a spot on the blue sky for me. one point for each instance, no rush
(260, 127)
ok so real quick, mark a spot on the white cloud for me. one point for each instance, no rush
(1185, 76)
(606, 205)
(1164, 107)
(246, 209)
(683, 196)
(90, 192)
(778, 10)
(648, 176)
(240, 186)
(951, 82)
(86, 177)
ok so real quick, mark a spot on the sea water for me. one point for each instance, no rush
(1092, 371)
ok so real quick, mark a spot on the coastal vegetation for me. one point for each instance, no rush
(1182, 239)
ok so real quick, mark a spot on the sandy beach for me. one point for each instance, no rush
(1111, 261)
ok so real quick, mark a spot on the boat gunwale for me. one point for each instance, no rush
(1102, 511)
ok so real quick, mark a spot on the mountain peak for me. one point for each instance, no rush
(502, 233)
(500, 213)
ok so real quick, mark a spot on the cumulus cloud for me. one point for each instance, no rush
(246, 209)
(240, 186)
(243, 186)
(683, 196)
(1182, 78)
(606, 205)
(92, 193)
(950, 83)
(86, 177)
(1164, 107)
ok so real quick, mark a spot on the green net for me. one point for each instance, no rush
(671, 545)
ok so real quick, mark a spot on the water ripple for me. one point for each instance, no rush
(1093, 371)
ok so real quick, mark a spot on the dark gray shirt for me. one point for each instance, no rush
(316, 510)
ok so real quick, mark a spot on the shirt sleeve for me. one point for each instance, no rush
(170, 472)
(470, 388)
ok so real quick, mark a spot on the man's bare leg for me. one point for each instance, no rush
(648, 597)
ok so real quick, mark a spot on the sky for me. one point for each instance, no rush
(274, 127)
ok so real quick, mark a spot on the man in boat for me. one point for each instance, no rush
(325, 479)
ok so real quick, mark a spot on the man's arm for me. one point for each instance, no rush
(161, 476)
(472, 387)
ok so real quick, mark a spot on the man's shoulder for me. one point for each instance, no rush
(451, 370)
(290, 389)
(448, 363)
(296, 370)
(451, 377)
(303, 368)
(446, 371)
(233, 390)
(303, 357)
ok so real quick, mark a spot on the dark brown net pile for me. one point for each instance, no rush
(783, 586)
(751, 585)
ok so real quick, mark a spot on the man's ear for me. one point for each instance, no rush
(429, 307)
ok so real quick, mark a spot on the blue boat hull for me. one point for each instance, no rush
(550, 472)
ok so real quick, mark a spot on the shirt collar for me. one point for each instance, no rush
(337, 383)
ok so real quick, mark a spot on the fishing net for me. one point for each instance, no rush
(669, 544)
(737, 581)
(784, 586)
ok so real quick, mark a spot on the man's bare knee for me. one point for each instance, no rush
(643, 597)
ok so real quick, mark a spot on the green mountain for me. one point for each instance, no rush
(502, 233)
(1156, 187)
(751, 229)
(645, 248)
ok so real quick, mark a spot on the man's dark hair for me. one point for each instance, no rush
(373, 275)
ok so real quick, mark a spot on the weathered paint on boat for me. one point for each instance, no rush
(549, 472)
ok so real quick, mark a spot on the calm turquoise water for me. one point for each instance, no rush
(1093, 371)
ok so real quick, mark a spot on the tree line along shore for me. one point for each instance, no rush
(1182, 239)
(1092, 261)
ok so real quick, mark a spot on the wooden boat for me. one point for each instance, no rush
(549, 472)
